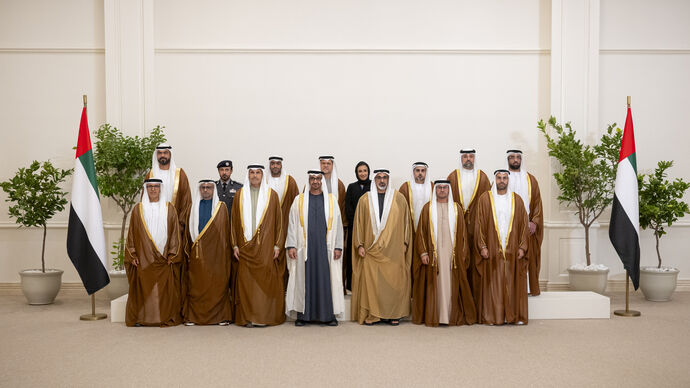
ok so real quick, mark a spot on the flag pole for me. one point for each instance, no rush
(627, 312)
(93, 316)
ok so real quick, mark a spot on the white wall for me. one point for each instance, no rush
(390, 83)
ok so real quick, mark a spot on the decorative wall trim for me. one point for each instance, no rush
(52, 50)
(645, 51)
(217, 50)
(613, 285)
(547, 225)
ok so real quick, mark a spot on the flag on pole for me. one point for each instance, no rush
(85, 237)
(625, 213)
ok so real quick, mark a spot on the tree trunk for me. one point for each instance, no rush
(587, 254)
(121, 244)
(658, 255)
(43, 251)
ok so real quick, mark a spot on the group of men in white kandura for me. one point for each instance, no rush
(450, 252)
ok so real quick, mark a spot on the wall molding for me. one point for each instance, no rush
(52, 50)
(547, 225)
(644, 51)
(218, 50)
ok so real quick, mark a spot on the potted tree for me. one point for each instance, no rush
(36, 196)
(586, 178)
(660, 205)
(121, 164)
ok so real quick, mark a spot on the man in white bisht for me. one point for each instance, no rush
(314, 246)
(417, 191)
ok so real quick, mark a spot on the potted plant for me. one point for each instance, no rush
(36, 196)
(660, 205)
(121, 164)
(586, 178)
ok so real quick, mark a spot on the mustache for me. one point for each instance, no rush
(163, 160)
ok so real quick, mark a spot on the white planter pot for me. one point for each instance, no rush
(118, 285)
(658, 286)
(592, 280)
(41, 287)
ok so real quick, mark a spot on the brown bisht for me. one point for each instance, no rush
(208, 299)
(381, 280)
(481, 186)
(258, 290)
(154, 285)
(536, 215)
(502, 293)
(289, 193)
(424, 291)
(182, 201)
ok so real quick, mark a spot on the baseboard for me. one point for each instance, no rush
(75, 288)
(68, 288)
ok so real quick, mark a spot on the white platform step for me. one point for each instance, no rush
(569, 305)
(118, 307)
(548, 305)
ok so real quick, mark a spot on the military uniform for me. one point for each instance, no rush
(227, 190)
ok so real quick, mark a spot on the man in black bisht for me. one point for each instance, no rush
(354, 191)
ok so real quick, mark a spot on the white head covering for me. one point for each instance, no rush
(518, 179)
(246, 202)
(277, 184)
(503, 204)
(167, 176)
(376, 224)
(156, 217)
(194, 212)
(468, 179)
(334, 176)
(420, 192)
(433, 212)
(305, 203)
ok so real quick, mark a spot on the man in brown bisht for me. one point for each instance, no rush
(525, 184)
(468, 183)
(175, 182)
(208, 254)
(501, 240)
(153, 261)
(330, 174)
(441, 293)
(257, 236)
(417, 192)
(285, 186)
(381, 264)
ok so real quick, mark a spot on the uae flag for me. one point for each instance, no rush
(85, 237)
(625, 214)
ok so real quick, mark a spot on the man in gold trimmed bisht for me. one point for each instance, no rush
(256, 237)
(501, 240)
(314, 246)
(153, 261)
(208, 254)
(441, 293)
(382, 260)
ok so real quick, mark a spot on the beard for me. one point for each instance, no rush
(164, 161)
(501, 186)
(382, 186)
(468, 165)
(515, 165)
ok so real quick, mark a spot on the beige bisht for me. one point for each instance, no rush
(381, 284)
(298, 227)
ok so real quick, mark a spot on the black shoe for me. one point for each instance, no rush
(249, 325)
(300, 323)
(332, 323)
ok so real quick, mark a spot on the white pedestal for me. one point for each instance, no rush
(569, 305)
(118, 307)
